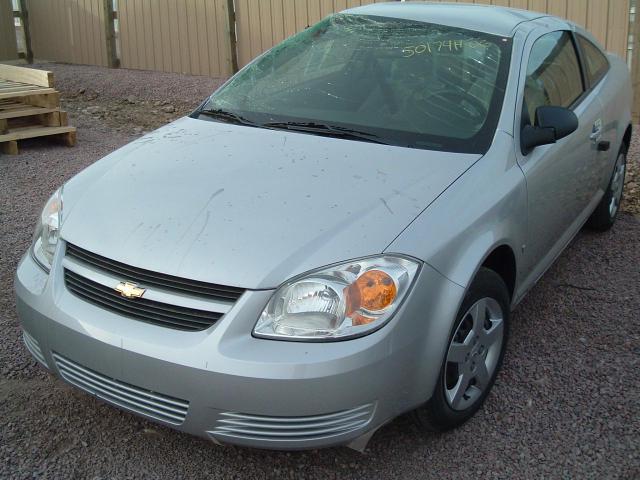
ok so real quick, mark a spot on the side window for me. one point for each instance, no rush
(597, 64)
(553, 74)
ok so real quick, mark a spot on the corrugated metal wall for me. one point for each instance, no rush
(608, 20)
(264, 23)
(68, 31)
(185, 36)
(8, 47)
(192, 36)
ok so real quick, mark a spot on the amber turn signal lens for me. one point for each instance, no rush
(374, 290)
(357, 319)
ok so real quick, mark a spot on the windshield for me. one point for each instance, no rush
(393, 81)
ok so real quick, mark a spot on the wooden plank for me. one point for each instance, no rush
(32, 132)
(49, 119)
(19, 88)
(26, 93)
(42, 78)
(63, 118)
(24, 111)
(9, 148)
(67, 139)
(50, 100)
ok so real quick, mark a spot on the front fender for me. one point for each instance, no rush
(483, 209)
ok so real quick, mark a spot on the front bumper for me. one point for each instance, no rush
(228, 386)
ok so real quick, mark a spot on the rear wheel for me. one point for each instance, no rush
(604, 216)
(474, 355)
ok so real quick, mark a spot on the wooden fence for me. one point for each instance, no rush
(215, 37)
(188, 36)
(8, 46)
(607, 20)
(199, 36)
(262, 23)
(68, 31)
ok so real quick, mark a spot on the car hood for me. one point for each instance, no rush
(249, 207)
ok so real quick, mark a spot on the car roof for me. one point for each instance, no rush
(491, 19)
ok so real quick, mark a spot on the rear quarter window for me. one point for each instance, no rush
(595, 61)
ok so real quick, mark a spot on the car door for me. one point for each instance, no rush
(596, 68)
(558, 175)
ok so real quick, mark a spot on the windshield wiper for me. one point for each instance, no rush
(328, 130)
(228, 116)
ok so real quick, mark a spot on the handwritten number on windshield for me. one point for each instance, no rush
(445, 46)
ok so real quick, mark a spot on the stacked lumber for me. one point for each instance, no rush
(30, 107)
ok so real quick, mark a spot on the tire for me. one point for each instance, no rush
(604, 216)
(448, 407)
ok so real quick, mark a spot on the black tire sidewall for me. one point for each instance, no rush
(436, 414)
(601, 218)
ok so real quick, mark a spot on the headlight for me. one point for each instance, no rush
(47, 231)
(344, 301)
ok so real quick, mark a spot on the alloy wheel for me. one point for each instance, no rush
(473, 353)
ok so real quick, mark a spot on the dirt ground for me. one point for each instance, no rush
(564, 406)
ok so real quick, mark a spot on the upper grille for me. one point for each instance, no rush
(163, 314)
(145, 402)
(147, 278)
(286, 429)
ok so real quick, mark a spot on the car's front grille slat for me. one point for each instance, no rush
(120, 389)
(142, 305)
(122, 396)
(146, 310)
(291, 426)
(149, 278)
(291, 429)
(152, 404)
(34, 348)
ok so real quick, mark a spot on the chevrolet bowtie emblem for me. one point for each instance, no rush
(129, 290)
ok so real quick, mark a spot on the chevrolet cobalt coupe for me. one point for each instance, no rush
(339, 233)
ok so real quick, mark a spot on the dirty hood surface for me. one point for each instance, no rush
(249, 207)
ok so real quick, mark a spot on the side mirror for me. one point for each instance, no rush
(551, 124)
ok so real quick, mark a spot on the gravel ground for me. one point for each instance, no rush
(564, 406)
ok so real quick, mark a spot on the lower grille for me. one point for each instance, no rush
(145, 402)
(163, 314)
(34, 348)
(283, 429)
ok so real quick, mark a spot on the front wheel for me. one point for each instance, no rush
(474, 355)
(604, 216)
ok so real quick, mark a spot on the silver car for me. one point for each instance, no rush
(339, 233)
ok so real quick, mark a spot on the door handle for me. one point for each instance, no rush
(596, 131)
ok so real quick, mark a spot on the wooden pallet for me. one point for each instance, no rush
(30, 107)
